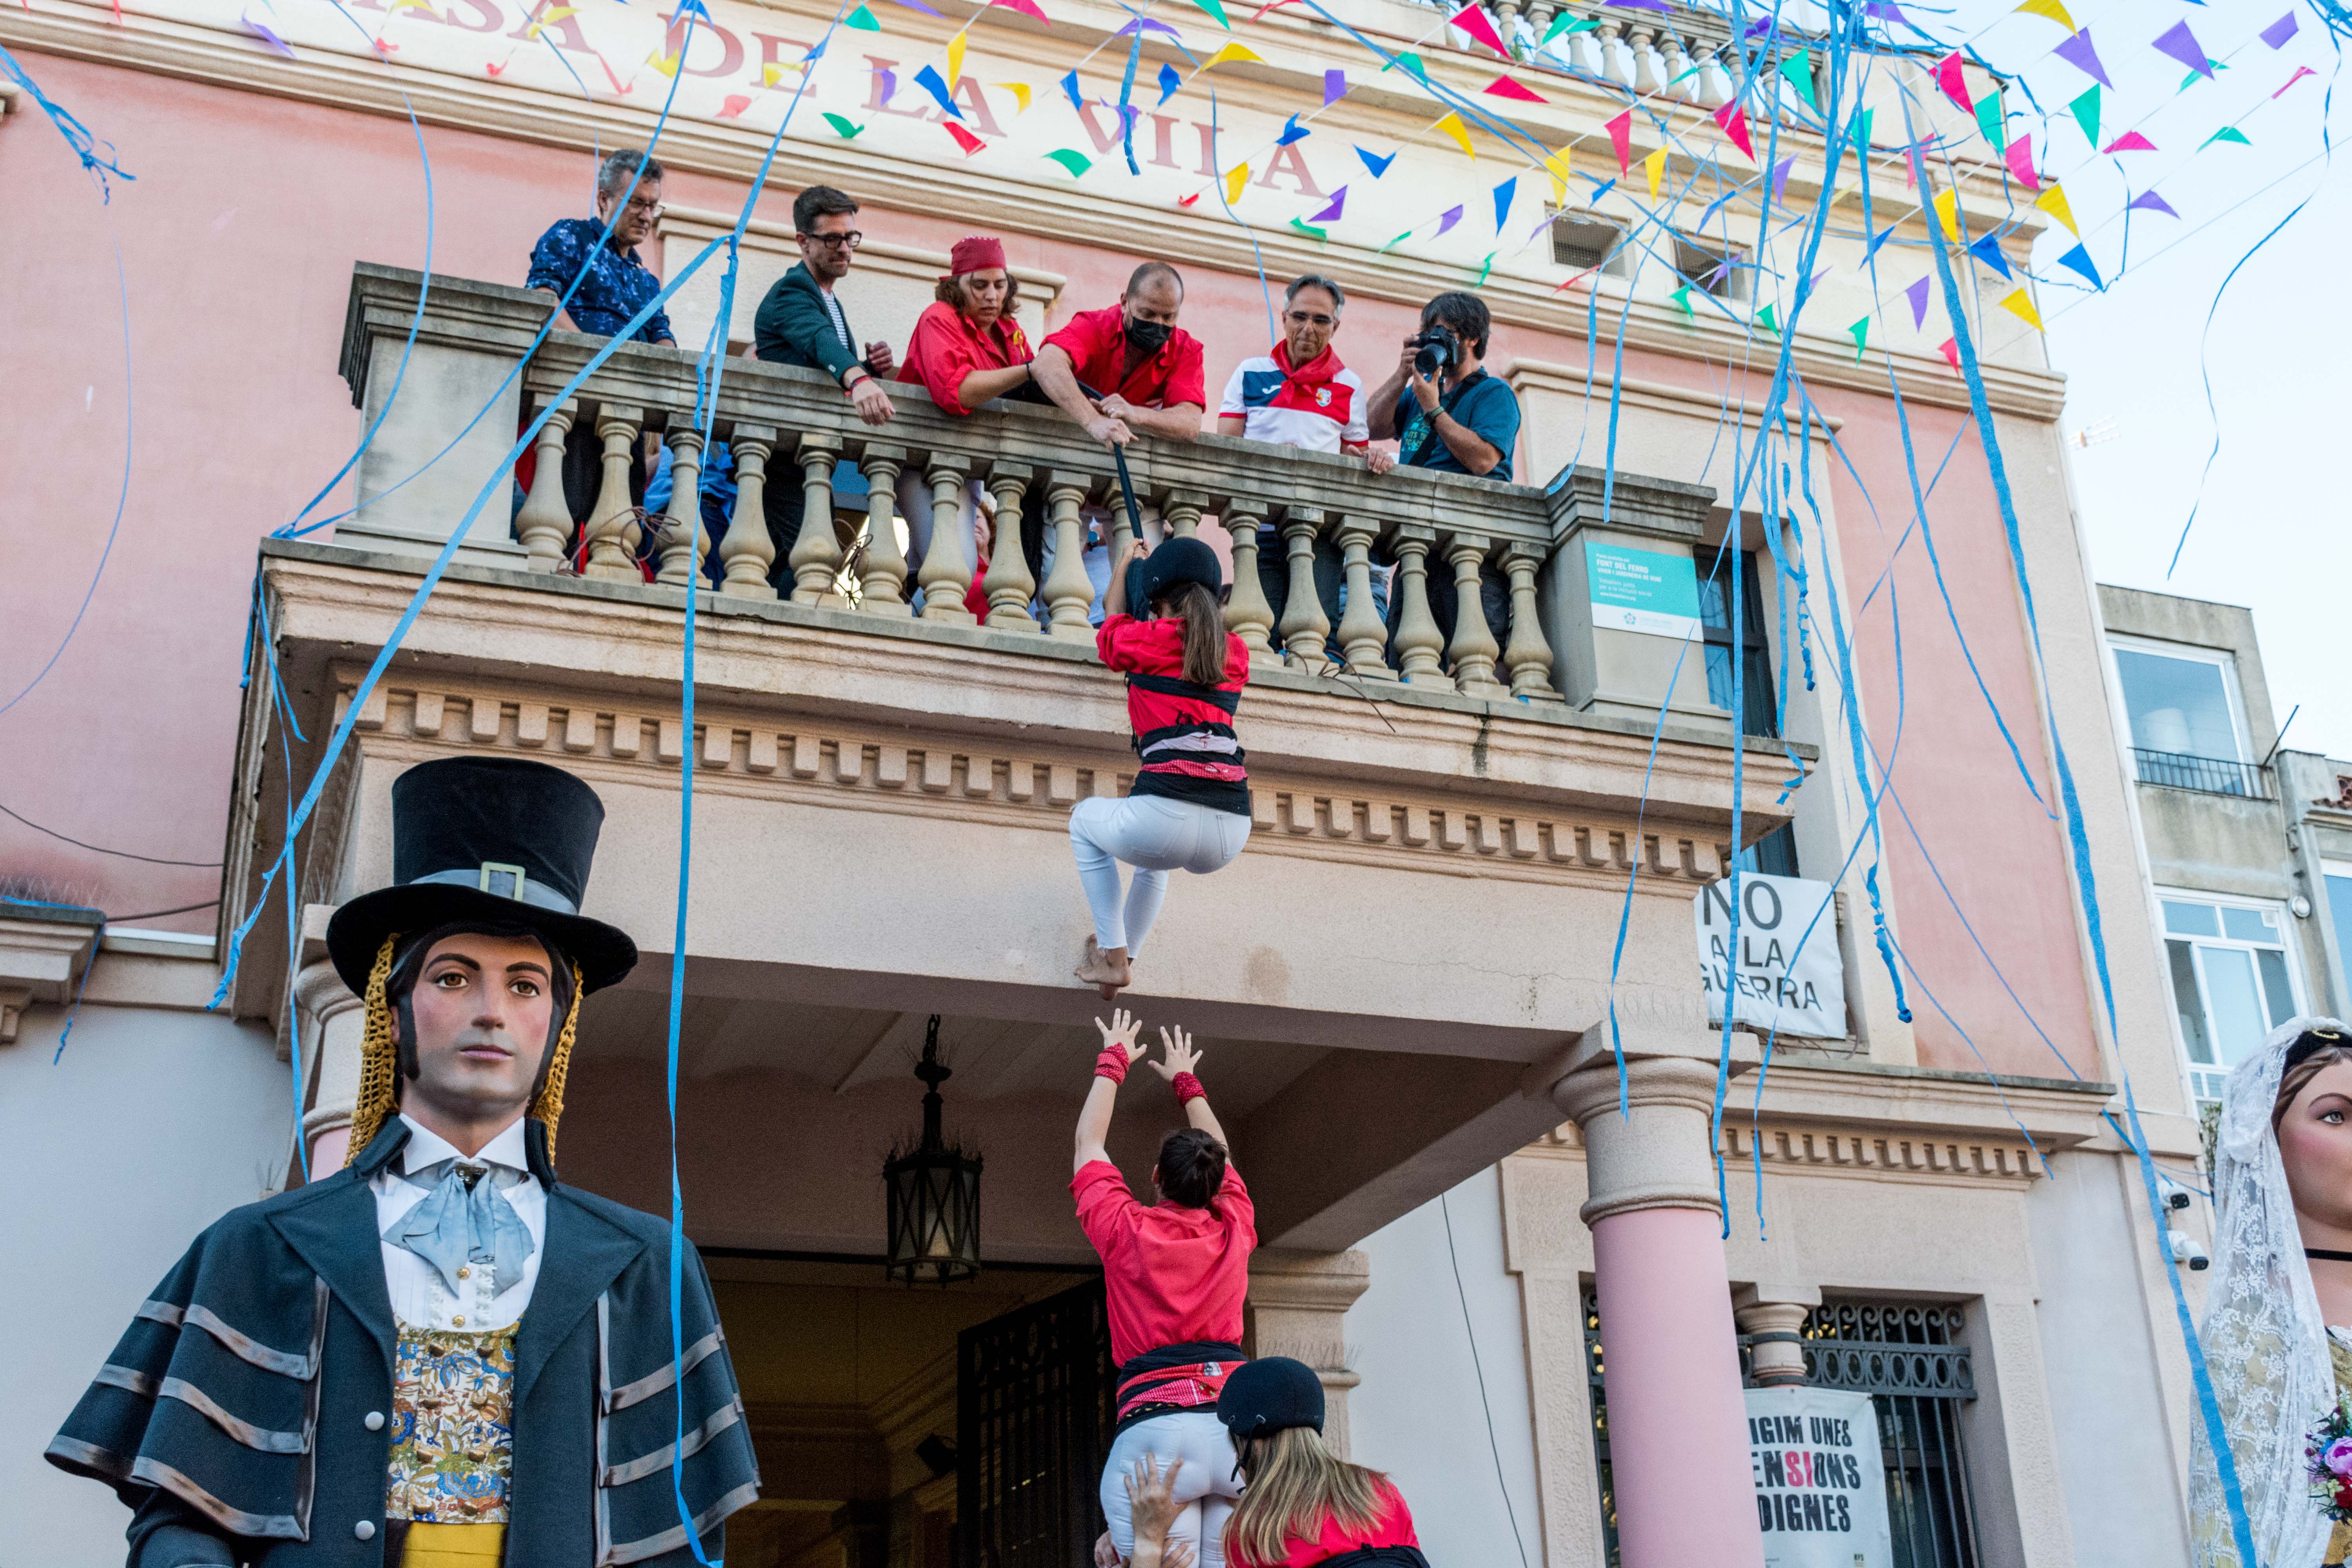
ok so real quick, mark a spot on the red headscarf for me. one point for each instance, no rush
(974, 253)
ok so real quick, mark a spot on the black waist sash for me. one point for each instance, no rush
(1377, 1557)
(1170, 1364)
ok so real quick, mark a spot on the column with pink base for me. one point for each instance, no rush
(1678, 1424)
(334, 1023)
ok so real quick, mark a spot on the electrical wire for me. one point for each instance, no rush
(102, 849)
(1478, 1367)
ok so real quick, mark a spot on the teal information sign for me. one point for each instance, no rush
(1645, 591)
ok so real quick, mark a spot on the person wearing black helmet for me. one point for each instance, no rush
(1302, 1504)
(1190, 807)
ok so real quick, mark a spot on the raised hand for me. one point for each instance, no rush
(1180, 1057)
(1121, 1031)
(1151, 1498)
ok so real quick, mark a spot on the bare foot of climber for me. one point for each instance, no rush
(1106, 972)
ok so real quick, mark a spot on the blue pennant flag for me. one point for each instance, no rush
(931, 81)
(1881, 237)
(1070, 86)
(1988, 250)
(1379, 166)
(1169, 83)
(1503, 195)
(1292, 132)
(2079, 260)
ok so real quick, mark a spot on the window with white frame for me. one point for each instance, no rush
(2233, 980)
(2187, 720)
(2338, 875)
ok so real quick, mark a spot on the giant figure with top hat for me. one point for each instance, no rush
(439, 1356)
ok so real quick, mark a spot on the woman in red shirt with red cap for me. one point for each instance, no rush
(967, 348)
(1176, 1275)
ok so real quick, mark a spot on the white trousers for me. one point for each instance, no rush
(1205, 1485)
(1156, 835)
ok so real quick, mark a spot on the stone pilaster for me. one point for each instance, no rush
(1299, 1305)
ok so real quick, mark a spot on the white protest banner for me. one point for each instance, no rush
(1789, 977)
(1820, 1479)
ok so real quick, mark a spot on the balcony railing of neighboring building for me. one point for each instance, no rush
(2206, 775)
(793, 426)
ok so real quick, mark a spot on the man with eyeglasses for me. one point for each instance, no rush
(800, 322)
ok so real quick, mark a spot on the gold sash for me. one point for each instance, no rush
(454, 1545)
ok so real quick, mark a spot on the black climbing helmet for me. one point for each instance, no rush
(1264, 1396)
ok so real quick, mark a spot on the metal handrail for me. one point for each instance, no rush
(2204, 776)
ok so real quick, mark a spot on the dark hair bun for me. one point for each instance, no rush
(1191, 1168)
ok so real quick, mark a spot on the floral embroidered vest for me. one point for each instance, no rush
(452, 1425)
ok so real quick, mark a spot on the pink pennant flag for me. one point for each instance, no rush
(1735, 125)
(2078, 52)
(1620, 136)
(1917, 295)
(1027, 8)
(2153, 203)
(1504, 86)
(1453, 215)
(736, 104)
(2020, 157)
(2181, 44)
(2130, 141)
(964, 138)
(2300, 72)
(1951, 351)
(1948, 77)
(1471, 20)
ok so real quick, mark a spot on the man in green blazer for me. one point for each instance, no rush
(800, 322)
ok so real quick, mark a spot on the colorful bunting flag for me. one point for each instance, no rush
(1169, 83)
(1947, 211)
(1020, 90)
(2300, 72)
(1335, 87)
(1076, 162)
(1780, 179)
(1070, 86)
(1188, 201)
(1216, 10)
(848, 130)
(2020, 158)
(1917, 295)
(1231, 53)
(1292, 132)
(735, 104)
(1377, 164)
(1857, 129)
(911, 5)
(1504, 86)
(1451, 217)
(1556, 164)
(1452, 126)
(1949, 77)
(1860, 333)
(2279, 32)
(1235, 179)
(1881, 237)
(2152, 203)
(2130, 141)
(1503, 194)
(1988, 250)
(1385, 248)
(2050, 8)
(1764, 320)
(666, 64)
(1654, 166)
(955, 57)
(1952, 352)
(2078, 52)
(2192, 78)
(927, 78)
(272, 39)
(1027, 8)
(1620, 136)
(1310, 230)
(1472, 20)
(2181, 44)
(1682, 298)
(2079, 259)
(1797, 67)
(2227, 133)
(1735, 125)
(1488, 265)
(964, 138)
(1339, 205)
(1992, 125)
(2019, 304)
(863, 20)
(2085, 108)
(2053, 202)
(1568, 22)
(1412, 63)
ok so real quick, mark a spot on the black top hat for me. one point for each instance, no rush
(500, 840)
(1266, 1396)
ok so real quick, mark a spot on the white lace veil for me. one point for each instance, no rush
(2265, 1342)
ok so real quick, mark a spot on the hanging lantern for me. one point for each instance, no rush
(934, 1193)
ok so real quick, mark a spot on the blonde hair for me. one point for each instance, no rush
(1296, 1485)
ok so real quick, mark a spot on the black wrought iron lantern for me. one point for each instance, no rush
(934, 1193)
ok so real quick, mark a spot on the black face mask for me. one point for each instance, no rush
(1150, 337)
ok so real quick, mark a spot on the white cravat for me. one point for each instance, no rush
(420, 1298)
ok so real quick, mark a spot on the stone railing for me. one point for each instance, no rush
(785, 426)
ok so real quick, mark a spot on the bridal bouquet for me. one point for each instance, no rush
(2329, 1451)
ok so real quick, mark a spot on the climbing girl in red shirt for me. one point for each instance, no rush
(1304, 1505)
(1189, 807)
(1176, 1275)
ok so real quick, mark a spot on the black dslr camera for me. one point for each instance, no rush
(1436, 347)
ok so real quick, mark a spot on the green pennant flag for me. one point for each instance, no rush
(1682, 298)
(1412, 63)
(1215, 8)
(1310, 230)
(1484, 267)
(1991, 121)
(1860, 332)
(2227, 133)
(2193, 77)
(863, 20)
(2086, 114)
(848, 130)
(1076, 162)
(1568, 22)
(1798, 69)
(1858, 130)
(1406, 235)
(1764, 320)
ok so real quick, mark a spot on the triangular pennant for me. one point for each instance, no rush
(955, 57)
(1947, 211)
(1797, 67)
(1735, 125)
(1556, 164)
(2279, 32)
(1682, 297)
(1857, 130)
(2020, 158)
(1169, 83)
(1292, 132)
(1504, 86)
(863, 20)
(1472, 20)
(2053, 202)
(1451, 217)
(2019, 304)
(1070, 86)
(1385, 248)
(1412, 63)
(848, 132)
(1339, 205)
(736, 104)
(1503, 194)
(1654, 166)
(1484, 267)
(1860, 333)
(2085, 107)
(1917, 295)
(1949, 77)
(1988, 250)
(964, 138)
(1764, 320)
(927, 78)
(1452, 126)
(2050, 8)
(1021, 91)
(1620, 136)
(1310, 230)
(1991, 124)
(1950, 350)
(2079, 259)
(1375, 163)
(1026, 8)
(2300, 72)
(1568, 22)
(1214, 8)
(2078, 52)
(2181, 44)
(2130, 141)
(1780, 179)
(1881, 237)
(666, 64)
(2227, 133)
(1231, 53)
(1335, 87)
(1076, 162)
(2153, 203)
(1235, 179)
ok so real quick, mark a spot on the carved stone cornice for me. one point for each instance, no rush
(40, 959)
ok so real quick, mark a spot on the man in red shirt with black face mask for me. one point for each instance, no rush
(1128, 367)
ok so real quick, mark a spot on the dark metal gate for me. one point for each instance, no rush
(1034, 1403)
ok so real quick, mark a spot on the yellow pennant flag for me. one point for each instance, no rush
(955, 58)
(1557, 165)
(1235, 180)
(666, 64)
(1452, 126)
(398, 7)
(553, 15)
(1948, 212)
(1654, 166)
(2053, 202)
(773, 71)
(2018, 303)
(1231, 52)
(1020, 91)
(2050, 8)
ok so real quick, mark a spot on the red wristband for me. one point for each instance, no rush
(1111, 1064)
(1187, 1087)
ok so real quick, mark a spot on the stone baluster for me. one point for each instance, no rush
(747, 551)
(1303, 626)
(946, 570)
(1247, 614)
(683, 544)
(1584, 51)
(1180, 514)
(1069, 592)
(1772, 1317)
(1539, 15)
(1646, 80)
(1528, 656)
(815, 559)
(1010, 586)
(1506, 14)
(1420, 648)
(1363, 636)
(1473, 649)
(613, 531)
(1616, 55)
(883, 589)
(544, 524)
(1678, 85)
(1713, 79)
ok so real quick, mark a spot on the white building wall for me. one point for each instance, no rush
(1466, 1463)
(149, 1126)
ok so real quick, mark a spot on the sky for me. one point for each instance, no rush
(2270, 523)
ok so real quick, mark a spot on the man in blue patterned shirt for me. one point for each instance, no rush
(615, 284)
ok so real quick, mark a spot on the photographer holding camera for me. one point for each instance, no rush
(1447, 413)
